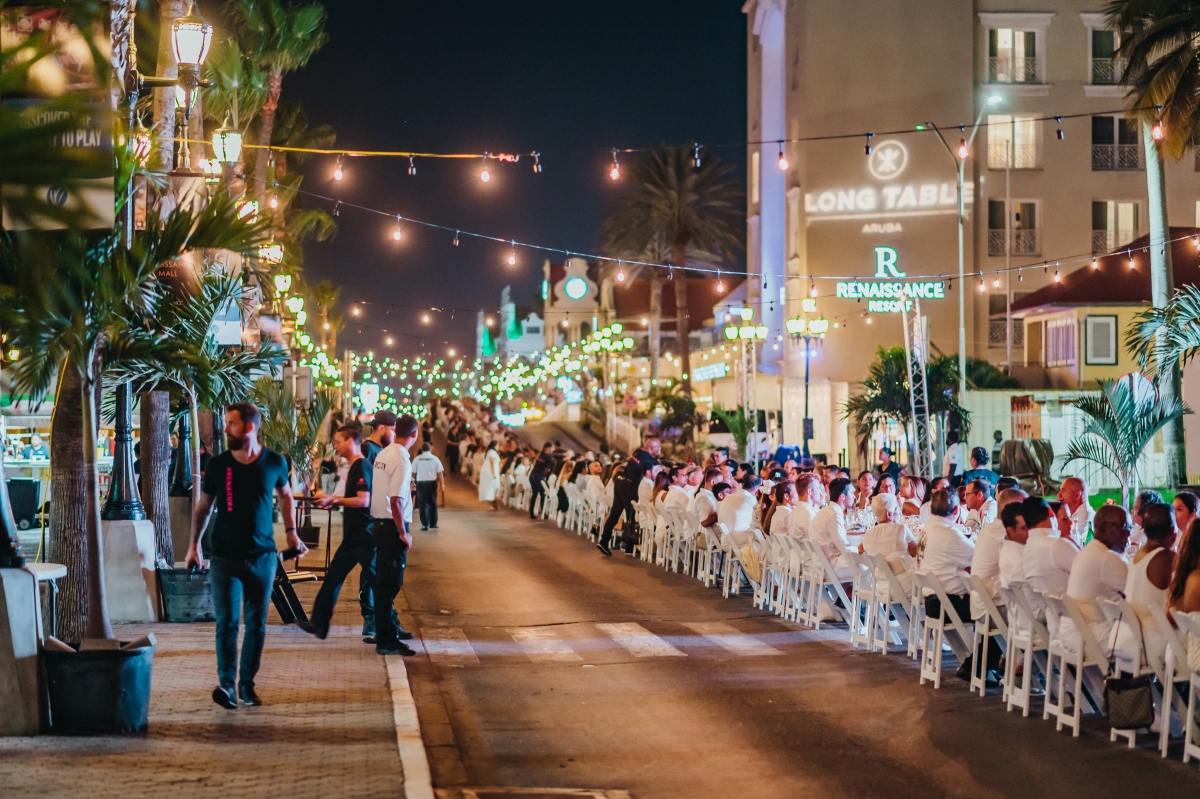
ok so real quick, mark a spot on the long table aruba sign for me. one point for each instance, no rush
(889, 294)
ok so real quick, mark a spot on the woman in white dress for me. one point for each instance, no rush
(489, 476)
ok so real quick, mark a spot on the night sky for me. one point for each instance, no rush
(571, 80)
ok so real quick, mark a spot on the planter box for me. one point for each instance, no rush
(185, 596)
(99, 692)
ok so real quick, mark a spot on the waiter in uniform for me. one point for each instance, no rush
(625, 492)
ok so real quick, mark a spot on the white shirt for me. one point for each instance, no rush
(391, 478)
(985, 563)
(704, 504)
(674, 498)
(736, 512)
(986, 514)
(1097, 573)
(947, 552)
(828, 530)
(595, 490)
(779, 520)
(1048, 561)
(800, 519)
(645, 491)
(1012, 564)
(954, 460)
(426, 467)
(887, 538)
(1080, 520)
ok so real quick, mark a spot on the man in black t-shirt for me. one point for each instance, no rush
(541, 468)
(357, 547)
(240, 483)
(625, 487)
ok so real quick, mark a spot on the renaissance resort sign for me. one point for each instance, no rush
(889, 294)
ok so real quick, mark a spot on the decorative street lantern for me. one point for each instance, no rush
(272, 253)
(191, 37)
(227, 144)
(283, 282)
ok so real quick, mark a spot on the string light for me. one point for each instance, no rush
(274, 201)
(720, 285)
(1059, 133)
(397, 234)
(412, 166)
(512, 254)
(620, 273)
(337, 170)
(337, 207)
(783, 162)
(615, 172)
(812, 283)
(963, 152)
(868, 319)
(982, 284)
(1130, 254)
(1020, 277)
(696, 154)
(868, 147)
(425, 318)
(1057, 277)
(456, 238)
(389, 341)
(355, 311)
(1157, 131)
(537, 170)
(484, 174)
(1095, 262)
(1196, 241)
(996, 281)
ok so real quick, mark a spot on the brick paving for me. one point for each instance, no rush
(326, 727)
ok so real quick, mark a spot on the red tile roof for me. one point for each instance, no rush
(1114, 283)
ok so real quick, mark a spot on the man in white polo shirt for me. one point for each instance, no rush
(427, 470)
(736, 510)
(828, 528)
(391, 515)
(809, 491)
(1099, 572)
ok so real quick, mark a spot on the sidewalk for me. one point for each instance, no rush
(327, 727)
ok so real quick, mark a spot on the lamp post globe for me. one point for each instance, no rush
(227, 143)
(191, 38)
(283, 282)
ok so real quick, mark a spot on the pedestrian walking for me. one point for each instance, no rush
(240, 483)
(391, 515)
(542, 467)
(357, 547)
(428, 472)
(625, 491)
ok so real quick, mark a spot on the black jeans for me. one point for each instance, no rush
(390, 559)
(241, 589)
(536, 489)
(427, 502)
(622, 505)
(452, 458)
(356, 550)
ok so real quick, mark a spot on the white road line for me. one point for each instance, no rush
(448, 645)
(727, 637)
(543, 644)
(413, 759)
(639, 641)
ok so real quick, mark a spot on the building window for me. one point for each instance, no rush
(1101, 341)
(1012, 141)
(1115, 144)
(1114, 224)
(1012, 56)
(1060, 342)
(1106, 68)
(1020, 235)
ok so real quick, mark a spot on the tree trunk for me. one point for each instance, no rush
(97, 625)
(1162, 285)
(67, 542)
(654, 330)
(266, 126)
(155, 459)
(164, 99)
(682, 324)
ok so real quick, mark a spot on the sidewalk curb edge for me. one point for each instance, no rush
(418, 783)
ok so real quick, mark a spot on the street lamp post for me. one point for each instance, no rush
(806, 330)
(960, 159)
(749, 335)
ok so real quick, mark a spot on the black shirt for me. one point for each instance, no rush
(369, 450)
(541, 466)
(355, 520)
(891, 470)
(638, 464)
(243, 496)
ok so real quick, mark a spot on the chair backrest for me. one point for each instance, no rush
(993, 612)
(1118, 613)
(934, 584)
(1066, 606)
(883, 571)
(1017, 597)
(1189, 623)
(713, 542)
(864, 575)
(1170, 640)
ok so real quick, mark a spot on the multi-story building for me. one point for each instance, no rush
(1054, 172)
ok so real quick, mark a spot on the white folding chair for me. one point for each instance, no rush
(1122, 613)
(1189, 625)
(1090, 655)
(825, 585)
(938, 630)
(709, 558)
(1027, 637)
(991, 630)
(862, 600)
(1170, 663)
(892, 604)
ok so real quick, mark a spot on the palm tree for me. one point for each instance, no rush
(190, 360)
(281, 38)
(292, 428)
(1121, 422)
(676, 204)
(1160, 337)
(325, 296)
(739, 424)
(1161, 48)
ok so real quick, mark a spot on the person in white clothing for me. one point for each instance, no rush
(1074, 492)
(948, 552)
(489, 476)
(985, 563)
(674, 498)
(704, 504)
(890, 537)
(809, 493)
(785, 498)
(736, 510)
(1149, 578)
(1100, 572)
(828, 528)
(645, 491)
(982, 508)
(936, 484)
(695, 478)
(1012, 560)
(1048, 557)
(955, 457)
(1143, 501)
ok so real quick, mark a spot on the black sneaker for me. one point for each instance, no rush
(964, 670)
(313, 629)
(248, 696)
(370, 639)
(604, 550)
(404, 635)
(394, 649)
(224, 698)
(423, 527)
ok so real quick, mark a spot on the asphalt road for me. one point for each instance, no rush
(547, 665)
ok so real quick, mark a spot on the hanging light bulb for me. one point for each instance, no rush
(1020, 277)
(389, 341)
(620, 273)
(868, 319)
(868, 147)
(615, 172)
(1157, 131)
(355, 311)
(812, 290)
(337, 170)
(1196, 241)
(1059, 132)
(696, 154)
(1095, 262)
(456, 238)
(397, 234)
(720, 285)
(1057, 277)
(537, 163)
(783, 162)
(982, 284)
(512, 255)
(996, 282)
(412, 166)
(274, 201)
(425, 318)
(963, 152)
(484, 174)
(1130, 254)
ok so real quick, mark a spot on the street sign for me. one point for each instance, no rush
(630, 402)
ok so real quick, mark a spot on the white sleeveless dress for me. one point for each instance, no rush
(1141, 594)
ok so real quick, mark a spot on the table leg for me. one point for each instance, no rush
(54, 608)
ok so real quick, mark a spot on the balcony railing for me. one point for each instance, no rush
(997, 328)
(1024, 156)
(1024, 242)
(1005, 69)
(1107, 157)
(1105, 240)
(1106, 71)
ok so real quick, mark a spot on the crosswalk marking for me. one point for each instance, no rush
(639, 641)
(727, 637)
(543, 644)
(448, 645)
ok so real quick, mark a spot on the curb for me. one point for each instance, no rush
(418, 783)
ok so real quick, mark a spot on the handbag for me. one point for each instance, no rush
(1128, 701)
